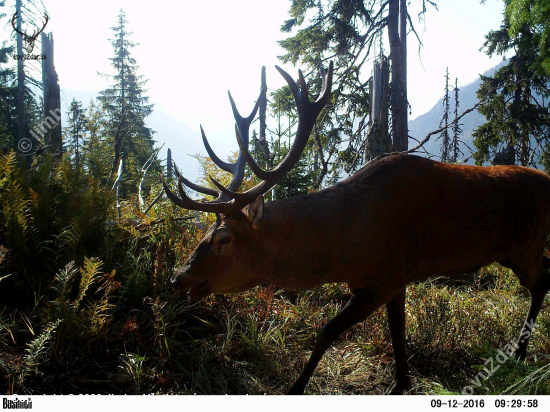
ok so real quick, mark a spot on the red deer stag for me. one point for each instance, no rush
(399, 219)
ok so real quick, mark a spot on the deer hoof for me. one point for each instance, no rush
(520, 354)
(296, 390)
(399, 388)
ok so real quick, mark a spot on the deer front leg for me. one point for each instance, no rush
(357, 309)
(396, 319)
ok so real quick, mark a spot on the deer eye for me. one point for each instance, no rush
(225, 240)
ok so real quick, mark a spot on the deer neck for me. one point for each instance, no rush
(295, 249)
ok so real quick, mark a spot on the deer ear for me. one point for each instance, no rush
(255, 211)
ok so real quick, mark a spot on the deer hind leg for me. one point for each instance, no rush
(538, 288)
(356, 310)
(396, 319)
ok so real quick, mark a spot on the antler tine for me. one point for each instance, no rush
(324, 96)
(257, 170)
(199, 188)
(242, 129)
(223, 196)
(303, 88)
(176, 169)
(194, 186)
(243, 124)
(290, 81)
(245, 120)
(228, 167)
(307, 115)
(226, 191)
(187, 203)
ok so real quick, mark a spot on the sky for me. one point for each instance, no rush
(193, 52)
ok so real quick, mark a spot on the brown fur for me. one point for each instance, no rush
(399, 219)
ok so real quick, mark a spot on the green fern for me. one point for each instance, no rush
(37, 349)
(70, 237)
(63, 280)
(88, 273)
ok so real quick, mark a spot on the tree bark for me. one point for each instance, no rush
(52, 95)
(169, 165)
(263, 109)
(397, 33)
(21, 121)
(378, 138)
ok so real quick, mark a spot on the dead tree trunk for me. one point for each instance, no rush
(169, 165)
(378, 138)
(21, 121)
(52, 96)
(119, 139)
(264, 147)
(397, 33)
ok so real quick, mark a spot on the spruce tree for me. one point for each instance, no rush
(444, 136)
(534, 15)
(517, 118)
(8, 97)
(457, 131)
(127, 106)
(75, 131)
(97, 152)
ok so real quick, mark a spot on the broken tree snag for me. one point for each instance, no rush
(21, 122)
(263, 148)
(52, 96)
(378, 137)
(397, 33)
(169, 165)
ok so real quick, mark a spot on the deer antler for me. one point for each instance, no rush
(307, 115)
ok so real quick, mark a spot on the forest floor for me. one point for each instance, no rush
(257, 342)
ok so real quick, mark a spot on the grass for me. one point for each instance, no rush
(257, 342)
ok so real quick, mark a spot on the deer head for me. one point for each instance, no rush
(29, 40)
(225, 260)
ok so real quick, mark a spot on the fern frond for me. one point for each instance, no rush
(63, 279)
(38, 348)
(71, 235)
(88, 273)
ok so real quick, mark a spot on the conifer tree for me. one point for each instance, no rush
(444, 136)
(97, 152)
(345, 31)
(457, 131)
(534, 15)
(76, 129)
(517, 119)
(127, 106)
(8, 96)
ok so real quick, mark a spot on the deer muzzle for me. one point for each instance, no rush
(198, 288)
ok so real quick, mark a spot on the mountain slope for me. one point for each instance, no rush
(175, 135)
(428, 122)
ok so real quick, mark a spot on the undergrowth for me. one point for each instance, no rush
(87, 307)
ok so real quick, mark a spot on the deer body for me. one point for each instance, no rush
(399, 219)
(390, 217)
